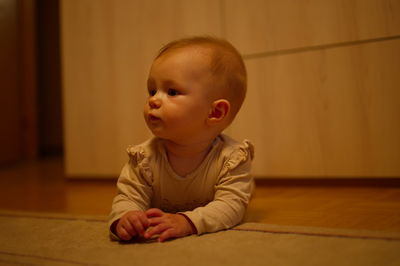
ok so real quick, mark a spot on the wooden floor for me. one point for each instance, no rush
(41, 186)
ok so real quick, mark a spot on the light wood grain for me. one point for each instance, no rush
(108, 47)
(373, 208)
(332, 112)
(330, 109)
(257, 26)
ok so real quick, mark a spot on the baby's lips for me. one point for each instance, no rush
(153, 117)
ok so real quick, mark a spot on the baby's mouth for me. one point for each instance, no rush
(153, 118)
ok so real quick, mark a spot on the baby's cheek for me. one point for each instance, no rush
(173, 116)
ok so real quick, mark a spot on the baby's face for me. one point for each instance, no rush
(179, 99)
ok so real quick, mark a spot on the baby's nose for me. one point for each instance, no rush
(154, 103)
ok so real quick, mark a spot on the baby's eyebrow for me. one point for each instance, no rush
(165, 83)
(169, 83)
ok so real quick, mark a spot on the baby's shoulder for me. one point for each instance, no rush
(234, 154)
(142, 152)
(233, 148)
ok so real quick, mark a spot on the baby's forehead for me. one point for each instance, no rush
(198, 57)
(197, 50)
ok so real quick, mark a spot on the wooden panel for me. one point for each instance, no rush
(256, 26)
(108, 47)
(10, 114)
(322, 112)
(332, 112)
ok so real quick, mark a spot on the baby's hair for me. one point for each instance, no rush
(226, 65)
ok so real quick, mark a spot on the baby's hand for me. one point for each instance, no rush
(167, 225)
(133, 223)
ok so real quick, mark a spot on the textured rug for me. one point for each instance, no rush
(50, 239)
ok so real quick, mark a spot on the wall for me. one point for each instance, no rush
(323, 94)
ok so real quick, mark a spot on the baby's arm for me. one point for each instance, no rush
(168, 225)
(134, 194)
(227, 209)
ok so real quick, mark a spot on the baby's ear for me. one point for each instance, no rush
(219, 111)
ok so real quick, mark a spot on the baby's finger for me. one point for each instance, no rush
(126, 224)
(137, 226)
(123, 234)
(156, 230)
(154, 212)
(155, 221)
(143, 219)
(167, 234)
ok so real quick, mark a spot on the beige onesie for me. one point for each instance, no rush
(213, 197)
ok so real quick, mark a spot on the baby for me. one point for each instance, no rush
(189, 178)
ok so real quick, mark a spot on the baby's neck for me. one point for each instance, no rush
(187, 150)
(185, 158)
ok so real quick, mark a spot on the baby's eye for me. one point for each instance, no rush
(152, 92)
(172, 92)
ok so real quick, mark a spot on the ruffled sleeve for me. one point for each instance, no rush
(139, 160)
(134, 185)
(239, 155)
(232, 191)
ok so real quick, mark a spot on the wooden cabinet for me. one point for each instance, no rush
(323, 97)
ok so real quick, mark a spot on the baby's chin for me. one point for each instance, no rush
(158, 131)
